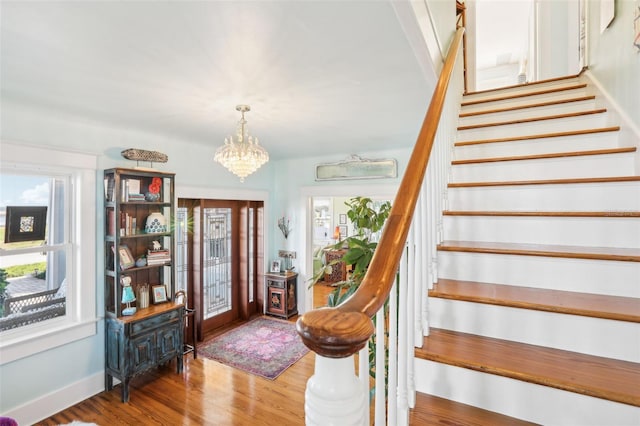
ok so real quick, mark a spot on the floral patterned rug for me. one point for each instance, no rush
(264, 347)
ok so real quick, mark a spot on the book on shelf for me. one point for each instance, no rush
(158, 257)
(128, 225)
(131, 190)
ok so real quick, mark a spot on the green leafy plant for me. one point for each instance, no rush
(368, 222)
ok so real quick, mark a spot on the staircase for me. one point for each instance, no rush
(536, 313)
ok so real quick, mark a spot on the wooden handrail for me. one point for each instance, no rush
(342, 331)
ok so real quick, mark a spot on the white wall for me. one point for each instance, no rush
(612, 58)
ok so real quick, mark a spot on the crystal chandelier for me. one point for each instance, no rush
(244, 156)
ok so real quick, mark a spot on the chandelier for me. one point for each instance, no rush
(244, 156)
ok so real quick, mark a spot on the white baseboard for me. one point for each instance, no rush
(47, 405)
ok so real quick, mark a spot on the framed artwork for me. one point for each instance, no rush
(275, 266)
(126, 258)
(343, 231)
(343, 219)
(159, 293)
(26, 223)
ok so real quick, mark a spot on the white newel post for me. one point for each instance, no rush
(334, 395)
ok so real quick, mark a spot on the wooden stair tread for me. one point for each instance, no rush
(526, 94)
(432, 410)
(609, 151)
(566, 302)
(532, 119)
(599, 377)
(612, 214)
(574, 252)
(523, 85)
(540, 136)
(611, 179)
(533, 105)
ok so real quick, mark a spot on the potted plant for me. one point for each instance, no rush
(367, 220)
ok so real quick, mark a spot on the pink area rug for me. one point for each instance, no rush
(264, 347)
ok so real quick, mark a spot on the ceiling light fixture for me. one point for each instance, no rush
(244, 156)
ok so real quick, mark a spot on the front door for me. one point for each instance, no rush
(218, 294)
(218, 262)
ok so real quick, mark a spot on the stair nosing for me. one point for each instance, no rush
(524, 85)
(496, 365)
(543, 250)
(539, 136)
(524, 95)
(532, 119)
(596, 214)
(520, 300)
(519, 107)
(608, 179)
(566, 154)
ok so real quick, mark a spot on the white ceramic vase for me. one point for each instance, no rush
(155, 223)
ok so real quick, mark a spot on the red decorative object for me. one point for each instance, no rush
(154, 188)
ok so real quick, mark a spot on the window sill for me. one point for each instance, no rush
(15, 346)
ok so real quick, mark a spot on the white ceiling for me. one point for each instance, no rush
(320, 76)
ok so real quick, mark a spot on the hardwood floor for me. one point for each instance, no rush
(210, 393)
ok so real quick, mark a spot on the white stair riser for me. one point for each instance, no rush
(608, 165)
(572, 231)
(588, 335)
(614, 278)
(523, 400)
(522, 89)
(526, 100)
(614, 196)
(534, 111)
(535, 128)
(605, 140)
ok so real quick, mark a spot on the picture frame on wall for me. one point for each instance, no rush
(343, 219)
(343, 231)
(159, 293)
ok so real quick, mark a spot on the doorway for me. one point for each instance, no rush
(219, 250)
(330, 224)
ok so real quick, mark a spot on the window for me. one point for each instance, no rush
(48, 260)
(36, 247)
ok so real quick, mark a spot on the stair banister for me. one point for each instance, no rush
(340, 332)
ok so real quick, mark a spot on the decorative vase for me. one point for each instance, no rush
(155, 223)
(150, 196)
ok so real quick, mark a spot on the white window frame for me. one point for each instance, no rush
(81, 318)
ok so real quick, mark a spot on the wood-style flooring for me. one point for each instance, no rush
(210, 393)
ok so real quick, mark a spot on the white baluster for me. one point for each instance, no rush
(392, 397)
(381, 398)
(404, 345)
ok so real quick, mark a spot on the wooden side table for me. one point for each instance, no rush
(282, 294)
(339, 270)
